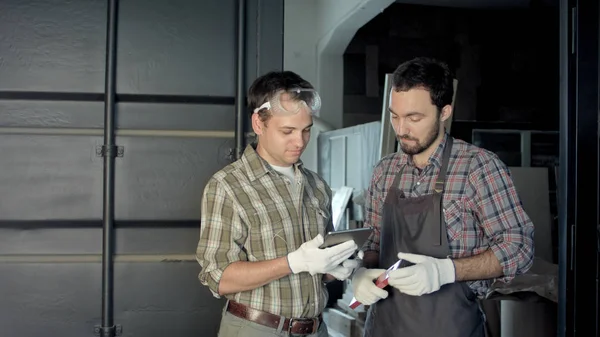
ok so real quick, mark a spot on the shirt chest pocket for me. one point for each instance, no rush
(269, 233)
(455, 217)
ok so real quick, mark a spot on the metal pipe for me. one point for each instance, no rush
(240, 71)
(108, 328)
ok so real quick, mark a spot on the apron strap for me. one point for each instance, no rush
(439, 189)
(439, 184)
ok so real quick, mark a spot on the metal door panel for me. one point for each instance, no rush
(52, 45)
(175, 119)
(59, 114)
(49, 299)
(164, 299)
(50, 177)
(176, 47)
(152, 299)
(159, 239)
(43, 238)
(176, 116)
(162, 178)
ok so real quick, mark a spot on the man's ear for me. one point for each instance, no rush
(446, 113)
(257, 124)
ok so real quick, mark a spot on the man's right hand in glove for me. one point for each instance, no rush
(314, 260)
(365, 290)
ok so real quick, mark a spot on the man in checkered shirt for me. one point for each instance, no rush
(263, 220)
(447, 209)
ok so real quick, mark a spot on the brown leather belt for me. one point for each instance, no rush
(297, 326)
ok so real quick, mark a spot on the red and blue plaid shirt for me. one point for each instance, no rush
(480, 204)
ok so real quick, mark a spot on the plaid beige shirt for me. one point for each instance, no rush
(250, 212)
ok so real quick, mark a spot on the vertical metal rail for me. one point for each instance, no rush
(586, 17)
(566, 179)
(240, 72)
(109, 152)
(578, 190)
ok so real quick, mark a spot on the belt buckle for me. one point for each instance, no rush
(315, 326)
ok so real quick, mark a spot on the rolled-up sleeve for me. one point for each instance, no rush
(502, 217)
(373, 209)
(221, 235)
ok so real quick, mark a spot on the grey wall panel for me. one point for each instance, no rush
(52, 45)
(151, 299)
(176, 116)
(270, 27)
(264, 38)
(50, 177)
(164, 299)
(180, 47)
(65, 114)
(253, 42)
(163, 178)
(264, 41)
(157, 240)
(51, 114)
(176, 47)
(138, 240)
(49, 299)
(16, 241)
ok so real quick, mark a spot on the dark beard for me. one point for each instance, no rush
(417, 148)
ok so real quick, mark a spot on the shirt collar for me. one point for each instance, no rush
(256, 166)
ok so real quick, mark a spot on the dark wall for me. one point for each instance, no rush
(506, 61)
(176, 64)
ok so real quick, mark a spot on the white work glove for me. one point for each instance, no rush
(426, 276)
(310, 258)
(365, 290)
(345, 270)
(342, 272)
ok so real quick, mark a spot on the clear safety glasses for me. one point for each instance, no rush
(293, 101)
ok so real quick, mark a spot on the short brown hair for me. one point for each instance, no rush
(427, 73)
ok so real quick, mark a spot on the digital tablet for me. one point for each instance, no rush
(359, 235)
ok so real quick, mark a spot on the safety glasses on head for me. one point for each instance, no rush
(293, 101)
